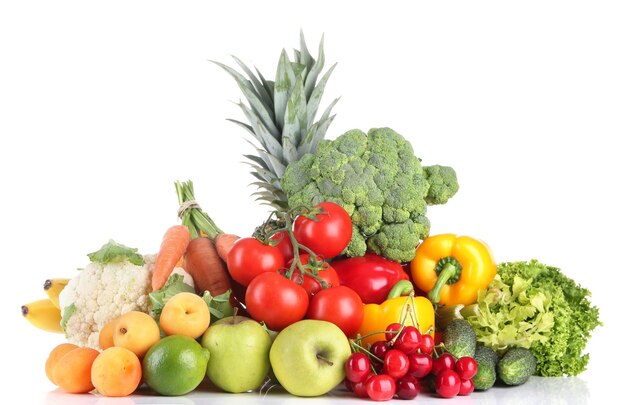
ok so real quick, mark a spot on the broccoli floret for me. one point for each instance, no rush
(379, 181)
(443, 184)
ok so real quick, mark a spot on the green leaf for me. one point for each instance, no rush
(295, 118)
(67, 314)
(265, 138)
(173, 286)
(285, 78)
(219, 306)
(305, 57)
(258, 86)
(314, 71)
(316, 96)
(113, 252)
(254, 99)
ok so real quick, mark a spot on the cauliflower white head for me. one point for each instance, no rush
(101, 293)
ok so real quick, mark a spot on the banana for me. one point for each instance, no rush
(53, 288)
(44, 315)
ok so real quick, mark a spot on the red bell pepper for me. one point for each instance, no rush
(371, 276)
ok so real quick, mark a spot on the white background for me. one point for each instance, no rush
(103, 105)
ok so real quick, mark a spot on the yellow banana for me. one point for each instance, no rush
(53, 288)
(44, 315)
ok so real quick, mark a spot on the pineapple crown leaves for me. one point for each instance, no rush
(281, 115)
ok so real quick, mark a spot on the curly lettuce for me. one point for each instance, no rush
(535, 306)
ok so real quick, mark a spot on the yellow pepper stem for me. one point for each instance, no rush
(449, 270)
(402, 287)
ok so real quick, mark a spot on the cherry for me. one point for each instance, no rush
(427, 344)
(447, 383)
(347, 384)
(360, 388)
(407, 387)
(409, 340)
(357, 367)
(379, 349)
(420, 364)
(466, 367)
(392, 331)
(381, 387)
(467, 387)
(443, 362)
(396, 363)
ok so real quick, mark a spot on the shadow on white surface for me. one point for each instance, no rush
(545, 391)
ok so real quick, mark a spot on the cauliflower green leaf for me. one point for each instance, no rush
(113, 252)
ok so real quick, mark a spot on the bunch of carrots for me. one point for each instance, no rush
(198, 244)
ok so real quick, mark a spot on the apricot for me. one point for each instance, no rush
(136, 331)
(72, 372)
(185, 314)
(116, 372)
(55, 355)
(105, 337)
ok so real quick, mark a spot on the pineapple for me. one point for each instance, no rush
(280, 115)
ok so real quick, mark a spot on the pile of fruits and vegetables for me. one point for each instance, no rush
(342, 287)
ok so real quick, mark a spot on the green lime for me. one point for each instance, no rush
(175, 365)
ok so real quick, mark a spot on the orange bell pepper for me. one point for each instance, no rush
(451, 269)
(376, 317)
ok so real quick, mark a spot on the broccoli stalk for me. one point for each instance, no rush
(379, 181)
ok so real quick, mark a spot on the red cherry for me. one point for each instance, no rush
(466, 388)
(409, 340)
(443, 362)
(392, 331)
(447, 384)
(396, 363)
(379, 349)
(360, 388)
(420, 364)
(381, 387)
(427, 344)
(466, 367)
(357, 367)
(407, 387)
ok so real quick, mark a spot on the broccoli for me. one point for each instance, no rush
(379, 181)
(487, 360)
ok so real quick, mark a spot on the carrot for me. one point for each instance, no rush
(224, 243)
(206, 268)
(173, 247)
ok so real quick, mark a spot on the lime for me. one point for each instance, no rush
(175, 365)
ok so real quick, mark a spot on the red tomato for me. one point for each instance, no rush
(329, 235)
(284, 245)
(276, 300)
(310, 284)
(249, 258)
(339, 305)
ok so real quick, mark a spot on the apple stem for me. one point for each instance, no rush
(324, 359)
(235, 310)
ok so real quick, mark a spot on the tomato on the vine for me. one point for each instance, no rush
(329, 234)
(339, 305)
(249, 257)
(312, 286)
(284, 245)
(276, 300)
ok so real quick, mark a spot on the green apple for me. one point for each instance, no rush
(308, 357)
(239, 348)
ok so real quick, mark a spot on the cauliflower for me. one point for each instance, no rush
(379, 181)
(117, 280)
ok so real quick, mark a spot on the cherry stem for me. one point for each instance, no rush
(362, 349)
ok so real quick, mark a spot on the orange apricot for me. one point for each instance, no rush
(55, 355)
(116, 372)
(73, 371)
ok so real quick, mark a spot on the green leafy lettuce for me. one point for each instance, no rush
(113, 252)
(531, 305)
(219, 306)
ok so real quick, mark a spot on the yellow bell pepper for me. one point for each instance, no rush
(377, 317)
(451, 269)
